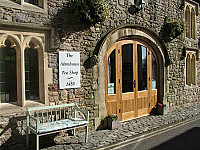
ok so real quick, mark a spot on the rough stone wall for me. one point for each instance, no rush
(85, 39)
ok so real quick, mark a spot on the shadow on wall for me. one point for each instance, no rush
(187, 141)
(63, 23)
(14, 137)
(65, 26)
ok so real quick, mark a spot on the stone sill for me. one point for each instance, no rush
(27, 7)
(191, 39)
(191, 86)
(13, 108)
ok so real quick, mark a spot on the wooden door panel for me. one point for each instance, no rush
(142, 94)
(153, 98)
(111, 98)
(112, 107)
(142, 112)
(126, 96)
(127, 102)
(127, 76)
(128, 115)
(142, 103)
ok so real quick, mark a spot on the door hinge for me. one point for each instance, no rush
(119, 80)
(149, 104)
(149, 53)
(118, 50)
(149, 78)
(119, 110)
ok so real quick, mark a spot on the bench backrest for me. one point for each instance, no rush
(54, 113)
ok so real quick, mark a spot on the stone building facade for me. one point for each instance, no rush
(46, 28)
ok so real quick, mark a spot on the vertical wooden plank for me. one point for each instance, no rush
(106, 83)
(119, 80)
(64, 111)
(42, 116)
(149, 80)
(136, 78)
(51, 115)
(47, 120)
(60, 113)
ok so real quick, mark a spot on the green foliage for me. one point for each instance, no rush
(89, 12)
(113, 117)
(172, 29)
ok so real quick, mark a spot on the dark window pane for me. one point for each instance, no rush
(188, 64)
(142, 67)
(127, 68)
(8, 78)
(34, 2)
(193, 70)
(31, 74)
(111, 73)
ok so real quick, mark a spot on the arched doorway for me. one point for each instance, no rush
(8, 77)
(31, 73)
(131, 81)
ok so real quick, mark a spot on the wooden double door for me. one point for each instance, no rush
(131, 69)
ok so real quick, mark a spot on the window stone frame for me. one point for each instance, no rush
(192, 68)
(192, 6)
(20, 4)
(40, 41)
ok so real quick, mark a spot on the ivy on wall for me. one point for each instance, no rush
(89, 12)
(171, 29)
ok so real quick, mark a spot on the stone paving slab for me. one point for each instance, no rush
(131, 128)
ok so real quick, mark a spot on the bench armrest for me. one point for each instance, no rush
(33, 118)
(34, 125)
(85, 112)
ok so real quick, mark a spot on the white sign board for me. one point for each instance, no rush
(111, 87)
(69, 70)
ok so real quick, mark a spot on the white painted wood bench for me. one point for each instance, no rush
(51, 119)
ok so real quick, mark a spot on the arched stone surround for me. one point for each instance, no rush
(133, 33)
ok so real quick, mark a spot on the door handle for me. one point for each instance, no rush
(134, 84)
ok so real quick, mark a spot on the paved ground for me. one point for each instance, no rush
(180, 136)
(101, 138)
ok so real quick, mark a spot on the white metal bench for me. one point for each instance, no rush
(51, 119)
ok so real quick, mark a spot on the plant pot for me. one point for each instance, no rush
(162, 110)
(112, 124)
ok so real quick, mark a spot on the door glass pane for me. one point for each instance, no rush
(111, 74)
(8, 77)
(31, 74)
(127, 68)
(142, 67)
(153, 72)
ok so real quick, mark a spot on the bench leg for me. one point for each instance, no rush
(86, 134)
(27, 136)
(74, 132)
(37, 142)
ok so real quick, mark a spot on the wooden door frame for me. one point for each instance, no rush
(118, 68)
(120, 44)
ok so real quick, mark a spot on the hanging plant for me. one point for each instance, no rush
(89, 12)
(171, 30)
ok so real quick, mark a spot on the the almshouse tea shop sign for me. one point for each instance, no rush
(69, 69)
